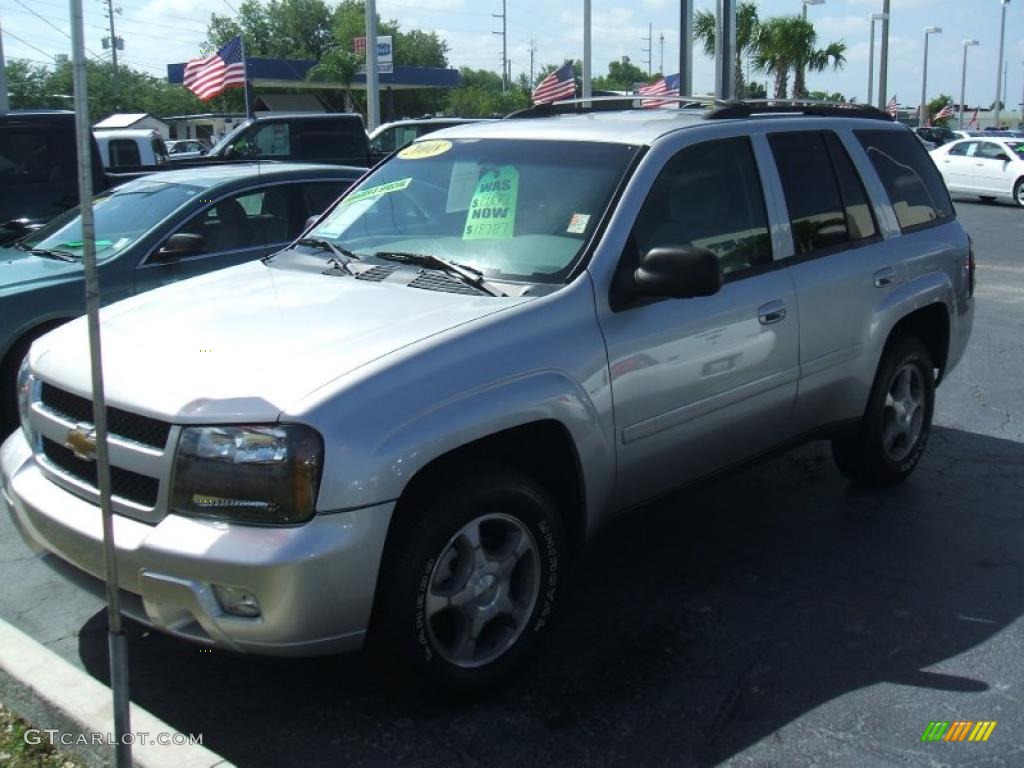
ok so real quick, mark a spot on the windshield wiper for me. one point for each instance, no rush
(52, 254)
(341, 258)
(469, 275)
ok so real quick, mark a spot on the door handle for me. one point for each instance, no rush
(884, 277)
(772, 312)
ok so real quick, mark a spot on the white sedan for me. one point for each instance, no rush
(989, 168)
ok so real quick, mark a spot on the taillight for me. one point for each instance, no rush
(970, 266)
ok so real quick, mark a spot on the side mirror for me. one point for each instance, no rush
(311, 221)
(182, 244)
(678, 272)
(230, 153)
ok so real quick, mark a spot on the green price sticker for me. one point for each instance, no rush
(492, 211)
(377, 191)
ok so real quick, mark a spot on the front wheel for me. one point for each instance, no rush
(1018, 192)
(468, 588)
(894, 429)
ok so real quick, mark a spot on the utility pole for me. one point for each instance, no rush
(685, 47)
(725, 50)
(533, 50)
(504, 44)
(372, 80)
(587, 53)
(883, 64)
(4, 104)
(649, 48)
(999, 64)
(661, 43)
(116, 44)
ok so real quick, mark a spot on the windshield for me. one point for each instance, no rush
(122, 217)
(512, 209)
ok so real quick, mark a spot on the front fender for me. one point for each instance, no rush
(357, 475)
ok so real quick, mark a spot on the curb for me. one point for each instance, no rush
(51, 693)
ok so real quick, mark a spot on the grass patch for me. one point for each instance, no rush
(15, 753)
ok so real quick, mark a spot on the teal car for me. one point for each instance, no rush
(152, 231)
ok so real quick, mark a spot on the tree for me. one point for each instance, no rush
(622, 75)
(787, 43)
(747, 25)
(935, 106)
(480, 95)
(285, 29)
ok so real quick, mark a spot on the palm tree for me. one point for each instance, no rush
(746, 34)
(788, 43)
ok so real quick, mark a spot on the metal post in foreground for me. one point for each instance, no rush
(245, 74)
(685, 47)
(372, 83)
(883, 59)
(963, 83)
(725, 50)
(587, 53)
(118, 654)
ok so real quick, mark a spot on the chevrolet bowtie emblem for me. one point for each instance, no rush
(82, 441)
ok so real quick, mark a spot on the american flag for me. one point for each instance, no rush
(665, 86)
(210, 76)
(945, 113)
(560, 84)
(893, 108)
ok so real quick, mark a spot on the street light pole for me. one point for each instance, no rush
(923, 109)
(999, 63)
(800, 73)
(963, 82)
(685, 48)
(725, 50)
(805, 3)
(871, 55)
(587, 53)
(883, 62)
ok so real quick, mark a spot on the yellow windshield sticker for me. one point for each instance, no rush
(492, 211)
(381, 189)
(424, 149)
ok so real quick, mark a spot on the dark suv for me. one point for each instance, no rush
(312, 138)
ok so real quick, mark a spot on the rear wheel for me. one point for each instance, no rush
(468, 588)
(894, 430)
(1018, 192)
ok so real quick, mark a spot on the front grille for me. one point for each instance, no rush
(141, 429)
(124, 484)
(439, 281)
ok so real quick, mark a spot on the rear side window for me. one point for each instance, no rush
(961, 148)
(918, 195)
(860, 221)
(124, 152)
(817, 219)
(31, 154)
(329, 140)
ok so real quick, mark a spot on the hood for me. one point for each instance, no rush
(19, 269)
(243, 343)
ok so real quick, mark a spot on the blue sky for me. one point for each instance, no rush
(160, 31)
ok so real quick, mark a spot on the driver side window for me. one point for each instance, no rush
(709, 196)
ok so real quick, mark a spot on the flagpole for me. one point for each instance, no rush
(245, 73)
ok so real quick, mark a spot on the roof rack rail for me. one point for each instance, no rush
(793, 107)
(721, 110)
(616, 102)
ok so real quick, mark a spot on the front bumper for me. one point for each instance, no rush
(315, 583)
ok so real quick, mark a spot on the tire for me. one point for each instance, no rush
(1018, 192)
(9, 374)
(468, 586)
(896, 424)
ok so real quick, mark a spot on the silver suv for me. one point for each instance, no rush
(404, 425)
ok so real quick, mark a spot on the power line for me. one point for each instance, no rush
(51, 24)
(33, 47)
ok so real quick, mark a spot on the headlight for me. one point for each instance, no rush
(265, 475)
(23, 386)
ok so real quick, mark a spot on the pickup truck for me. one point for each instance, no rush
(39, 173)
(131, 148)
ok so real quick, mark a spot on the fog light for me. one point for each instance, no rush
(237, 601)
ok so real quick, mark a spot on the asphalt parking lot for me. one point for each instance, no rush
(777, 617)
